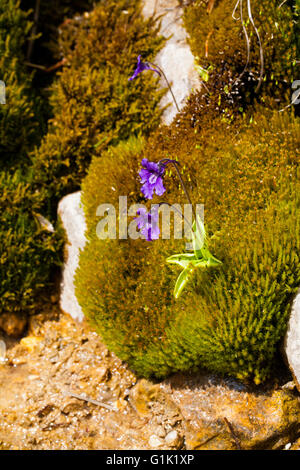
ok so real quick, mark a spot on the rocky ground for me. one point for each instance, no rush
(60, 388)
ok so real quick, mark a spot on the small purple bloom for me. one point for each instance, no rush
(147, 223)
(140, 67)
(151, 178)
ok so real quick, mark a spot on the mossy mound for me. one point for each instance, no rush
(220, 45)
(28, 251)
(94, 105)
(20, 128)
(230, 319)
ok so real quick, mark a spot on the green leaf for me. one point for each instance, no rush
(212, 261)
(200, 263)
(181, 282)
(201, 258)
(199, 238)
(202, 72)
(183, 259)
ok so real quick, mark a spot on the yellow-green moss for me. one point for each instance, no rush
(28, 252)
(218, 42)
(19, 117)
(229, 320)
(94, 104)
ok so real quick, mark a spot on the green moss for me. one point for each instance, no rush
(28, 252)
(229, 320)
(44, 50)
(220, 45)
(19, 123)
(94, 104)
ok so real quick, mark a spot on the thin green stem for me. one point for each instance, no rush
(178, 211)
(175, 164)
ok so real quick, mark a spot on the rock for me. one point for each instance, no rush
(13, 324)
(295, 445)
(30, 342)
(2, 351)
(173, 439)
(292, 341)
(71, 405)
(176, 58)
(149, 399)
(289, 385)
(186, 411)
(72, 217)
(223, 414)
(142, 395)
(155, 442)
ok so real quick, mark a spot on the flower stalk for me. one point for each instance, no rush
(141, 66)
(151, 177)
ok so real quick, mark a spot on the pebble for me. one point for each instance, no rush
(155, 441)
(2, 351)
(172, 438)
(30, 342)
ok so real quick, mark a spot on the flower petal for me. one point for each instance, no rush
(147, 189)
(144, 175)
(159, 187)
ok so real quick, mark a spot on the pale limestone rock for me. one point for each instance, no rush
(176, 58)
(72, 216)
(2, 351)
(172, 438)
(292, 340)
(155, 442)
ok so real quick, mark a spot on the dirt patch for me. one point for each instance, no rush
(45, 381)
(60, 388)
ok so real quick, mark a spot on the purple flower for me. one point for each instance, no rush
(142, 66)
(147, 223)
(151, 177)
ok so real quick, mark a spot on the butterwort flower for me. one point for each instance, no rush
(141, 66)
(151, 178)
(147, 223)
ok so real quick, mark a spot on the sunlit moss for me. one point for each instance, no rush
(20, 128)
(231, 319)
(28, 252)
(94, 105)
(219, 43)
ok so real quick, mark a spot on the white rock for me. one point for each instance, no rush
(155, 441)
(2, 351)
(176, 58)
(172, 438)
(292, 340)
(71, 213)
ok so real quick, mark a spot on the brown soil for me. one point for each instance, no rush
(60, 358)
(60, 388)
